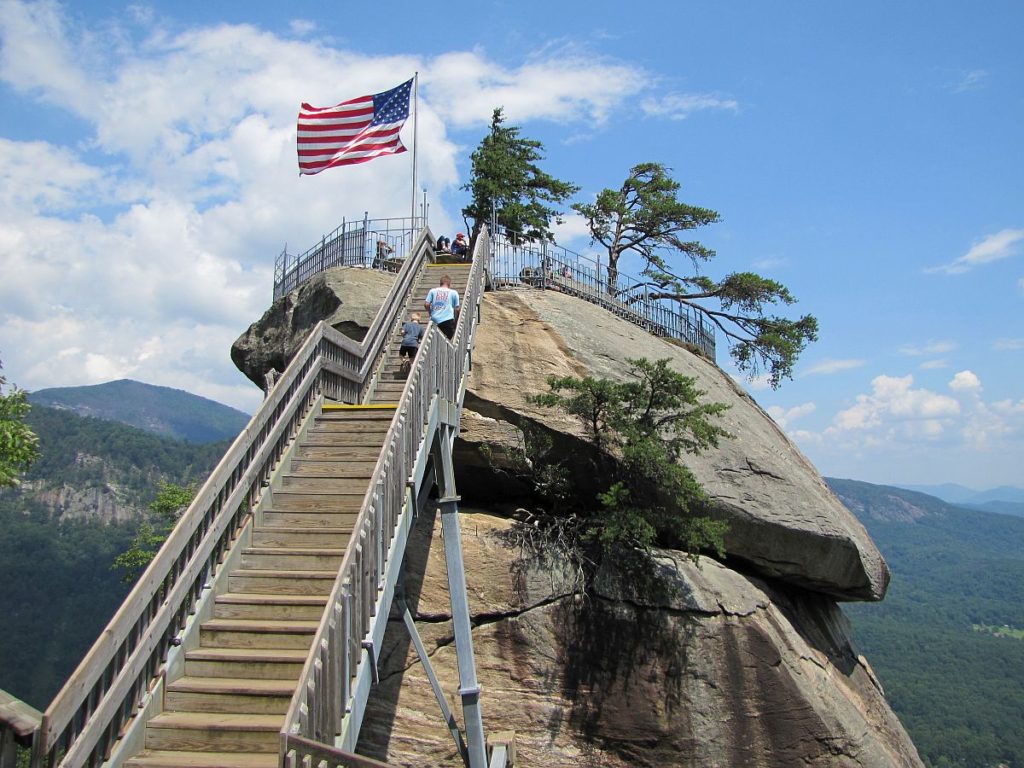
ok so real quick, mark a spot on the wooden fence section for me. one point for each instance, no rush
(18, 725)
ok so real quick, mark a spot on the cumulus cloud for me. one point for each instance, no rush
(145, 245)
(894, 404)
(786, 416)
(679, 106)
(1001, 245)
(827, 366)
(965, 381)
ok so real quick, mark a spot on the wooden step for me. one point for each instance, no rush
(228, 694)
(262, 663)
(214, 732)
(344, 439)
(292, 559)
(332, 452)
(256, 633)
(156, 758)
(332, 426)
(281, 582)
(354, 414)
(249, 605)
(324, 484)
(283, 500)
(306, 518)
(331, 467)
(302, 537)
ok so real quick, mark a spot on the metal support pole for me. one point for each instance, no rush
(469, 689)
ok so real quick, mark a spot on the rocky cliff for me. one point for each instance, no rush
(746, 662)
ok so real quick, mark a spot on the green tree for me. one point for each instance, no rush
(641, 430)
(165, 510)
(506, 179)
(19, 446)
(644, 216)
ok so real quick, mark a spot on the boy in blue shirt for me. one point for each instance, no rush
(443, 304)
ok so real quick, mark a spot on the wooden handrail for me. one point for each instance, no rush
(87, 715)
(321, 700)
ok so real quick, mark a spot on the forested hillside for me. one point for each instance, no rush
(947, 640)
(159, 410)
(57, 544)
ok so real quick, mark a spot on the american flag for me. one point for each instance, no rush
(354, 131)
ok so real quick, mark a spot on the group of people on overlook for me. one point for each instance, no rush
(459, 248)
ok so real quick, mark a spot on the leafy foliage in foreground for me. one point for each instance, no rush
(19, 446)
(959, 692)
(164, 512)
(641, 429)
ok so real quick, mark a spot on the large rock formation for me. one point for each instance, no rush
(347, 299)
(743, 663)
(697, 666)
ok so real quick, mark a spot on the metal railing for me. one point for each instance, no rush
(322, 700)
(518, 262)
(105, 691)
(373, 243)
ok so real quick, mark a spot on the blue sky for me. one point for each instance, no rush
(867, 155)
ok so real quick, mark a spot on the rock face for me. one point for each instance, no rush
(747, 663)
(698, 666)
(347, 299)
(784, 521)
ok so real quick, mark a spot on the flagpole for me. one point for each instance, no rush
(415, 126)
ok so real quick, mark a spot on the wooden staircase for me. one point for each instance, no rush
(228, 708)
(390, 382)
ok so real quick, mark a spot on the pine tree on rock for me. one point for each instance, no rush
(506, 180)
(645, 217)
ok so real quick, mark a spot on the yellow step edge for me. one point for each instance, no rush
(344, 407)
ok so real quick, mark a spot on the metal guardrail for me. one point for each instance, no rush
(87, 716)
(373, 243)
(516, 262)
(359, 597)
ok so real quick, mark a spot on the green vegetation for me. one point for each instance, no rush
(19, 446)
(59, 589)
(644, 217)
(81, 452)
(958, 691)
(1003, 631)
(165, 510)
(58, 593)
(159, 410)
(640, 431)
(505, 179)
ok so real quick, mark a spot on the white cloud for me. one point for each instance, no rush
(965, 381)
(301, 27)
(573, 226)
(784, 417)
(895, 405)
(929, 348)
(146, 247)
(565, 86)
(970, 80)
(679, 106)
(1001, 245)
(770, 262)
(1008, 345)
(933, 365)
(828, 366)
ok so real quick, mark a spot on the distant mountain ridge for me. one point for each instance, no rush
(887, 503)
(158, 410)
(961, 494)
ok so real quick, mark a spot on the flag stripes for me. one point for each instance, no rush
(355, 131)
